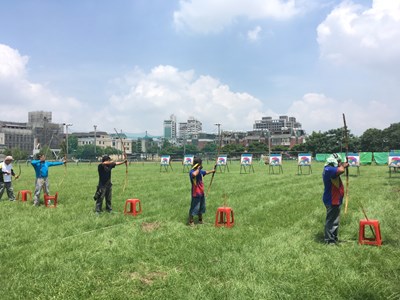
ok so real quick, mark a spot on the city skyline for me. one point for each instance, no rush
(130, 65)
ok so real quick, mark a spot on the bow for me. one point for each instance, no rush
(19, 171)
(346, 140)
(216, 164)
(125, 158)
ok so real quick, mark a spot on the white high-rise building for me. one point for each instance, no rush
(170, 128)
(192, 126)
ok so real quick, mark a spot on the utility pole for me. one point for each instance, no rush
(219, 135)
(95, 135)
(219, 128)
(66, 138)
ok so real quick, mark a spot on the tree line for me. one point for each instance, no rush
(333, 140)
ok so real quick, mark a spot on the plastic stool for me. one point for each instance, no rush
(133, 207)
(24, 194)
(224, 217)
(48, 199)
(377, 240)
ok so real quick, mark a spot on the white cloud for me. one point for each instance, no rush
(319, 112)
(19, 95)
(212, 16)
(254, 35)
(12, 64)
(352, 34)
(150, 98)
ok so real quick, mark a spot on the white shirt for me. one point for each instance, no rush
(6, 168)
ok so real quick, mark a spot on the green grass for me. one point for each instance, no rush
(274, 251)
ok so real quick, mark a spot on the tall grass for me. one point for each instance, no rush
(274, 251)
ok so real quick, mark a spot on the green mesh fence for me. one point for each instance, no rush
(321, 157)
(365, 158)
(381, 158)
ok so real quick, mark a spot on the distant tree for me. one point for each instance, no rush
(108, 150)
(233, 149)
(391, 137)
(86, 152)
(152, 148)
(371, 140)
(189, 149)
(257, 147)
(299, 148)
(331, 141)
(168, 148)
(210, 148)
(279, 148)
(72, 143)
(16, 153)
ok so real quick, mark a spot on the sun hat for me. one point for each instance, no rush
(9, 158)
(334, 159)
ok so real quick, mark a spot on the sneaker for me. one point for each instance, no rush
(201, 222)
(191, 223)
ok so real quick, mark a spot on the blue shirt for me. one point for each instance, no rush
(42, 167)
(197, 183)
(333, 186)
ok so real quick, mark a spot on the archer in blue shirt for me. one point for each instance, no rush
(41, 167)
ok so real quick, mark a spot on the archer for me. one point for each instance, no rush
(333, 195)
(104, 188)
(198, 203)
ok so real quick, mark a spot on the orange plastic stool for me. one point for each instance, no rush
(224, 217)
(377, 240)
(24, 194)
(48, 199)
(133, 207)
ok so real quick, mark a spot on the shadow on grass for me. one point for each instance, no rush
(319, 238)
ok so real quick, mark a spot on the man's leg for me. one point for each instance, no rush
(108, 195)
(99, 201)
(202, 209)
(46, 186)
(194, 209)
(10, 191)
(332, 223)
(2, 187)
(38, 187)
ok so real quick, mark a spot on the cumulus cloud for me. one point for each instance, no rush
(353, 34)
(319, 112)
(20, 95)
(149, 98)
(12, 64)
(254, 35)
(213, 16)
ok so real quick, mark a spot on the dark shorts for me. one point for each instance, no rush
(197, 206)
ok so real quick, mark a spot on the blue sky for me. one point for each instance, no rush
(131, 64)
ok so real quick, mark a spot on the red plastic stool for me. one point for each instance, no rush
(224, 217)
(48, 199)
(377, 240)
(133, 207)
(24, 194)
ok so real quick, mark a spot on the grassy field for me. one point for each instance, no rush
(274, 251)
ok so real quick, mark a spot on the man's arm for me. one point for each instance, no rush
(341, 168)
(109, 162)
(55, 163)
